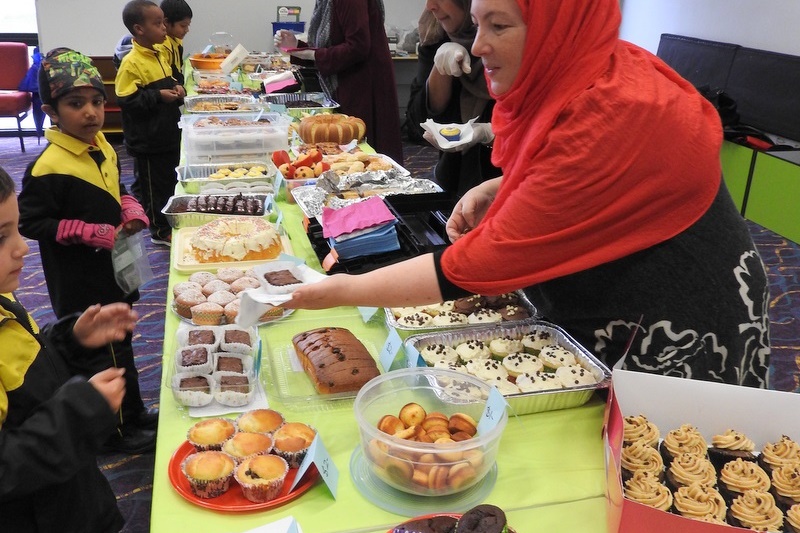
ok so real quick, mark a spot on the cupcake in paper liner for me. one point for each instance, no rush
(261, 477)
(210, 434)
(209, 473)
(451, 133)
(243, 446)
(265, 421)
(292, 440)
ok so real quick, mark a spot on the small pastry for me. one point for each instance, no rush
(473, 349)
(698, 502)
(639, 457)
(291, 441)
(210, 434)
(502, 346)
(450, 133)
(244, 445)
(262, 477)
(730, 445)
(537, 382)
(645, 488)
(780, 453)
(554, 356)
(640, 428)
(786, 486)
(792, 523)
(209, 473)
(484, 316)
(739, 476)
(265, 421)
(687, 469)
(755, 510)
(685, 439)
(448, 318)
(575, 376)
(536, 340)
(438, 352)
(520, 363)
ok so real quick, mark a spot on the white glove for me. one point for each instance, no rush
(481, 134)
(304, 53)
(285, 39)
(452, 59)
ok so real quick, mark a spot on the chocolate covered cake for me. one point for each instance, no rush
(194, 356)
(230, 364)
(234, 384)
(196, 383)
(201, 336)
(279, 278)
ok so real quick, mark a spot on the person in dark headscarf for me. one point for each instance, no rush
(450, 88)
(611, 213)
(347, 44)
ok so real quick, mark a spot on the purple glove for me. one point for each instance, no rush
(132, 210)
(80, 232)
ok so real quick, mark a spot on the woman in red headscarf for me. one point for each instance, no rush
(611, 211)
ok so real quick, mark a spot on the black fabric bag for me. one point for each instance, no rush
(723, 103)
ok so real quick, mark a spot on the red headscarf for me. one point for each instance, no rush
(605, 151)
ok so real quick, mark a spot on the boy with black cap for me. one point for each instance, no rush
(73, 203)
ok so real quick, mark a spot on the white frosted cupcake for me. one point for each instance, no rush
(520, 363)
(575, 376)
(473, 349)
(539, 381)
(448, 318)
(502, 346)
(415, 320)
(554, 356)
(534, 341)
(485, 316)
(438, 352)
(487, 370)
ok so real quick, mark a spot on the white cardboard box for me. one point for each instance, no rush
(762, 415)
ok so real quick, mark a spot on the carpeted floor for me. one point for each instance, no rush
(132, 476)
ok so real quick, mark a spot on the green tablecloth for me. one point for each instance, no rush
(550, 474)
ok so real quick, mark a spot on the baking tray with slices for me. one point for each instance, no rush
(180, 214)
(528, 402)
(253, 176)
(420, 229)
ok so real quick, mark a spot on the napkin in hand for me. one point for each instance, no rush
(434, 127)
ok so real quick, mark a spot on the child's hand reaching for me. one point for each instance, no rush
(100, 325)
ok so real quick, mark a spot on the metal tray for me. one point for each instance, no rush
(196, 103)
(196, 178)
(327, 104)
(528, 402)
(391, 321)
(180, 218)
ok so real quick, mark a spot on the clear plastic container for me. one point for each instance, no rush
(208, 138)
(427, 468)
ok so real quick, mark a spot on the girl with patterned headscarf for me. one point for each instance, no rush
(611, 212)
(347, 44)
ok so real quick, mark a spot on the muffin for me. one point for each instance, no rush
(207, 314)
(244, 283)
(188, 299)
(792, 523)
(202, 277)
(209, 473)
(698, 501)
(291, 441)
(230, 274)
(638, 427)
(221, 298)
(755, 510)
(184, 286)
(640, 457)
(215, 285)
(780, 453)
(244, 445)
(231, 311)
(645, 488)
(687, 469)
(786, 486)
(730, 445)
(685, 439)
(430, 524)
(482, 519)
(210, 434)
(261, 477)
(739, 476)
(265, 421)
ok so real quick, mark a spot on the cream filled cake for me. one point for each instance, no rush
(235, 239)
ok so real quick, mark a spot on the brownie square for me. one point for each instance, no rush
(201, 336)
(196, 383)
(230, 364)
(194, 356)
(237, 336)
(234, 384)
(280, 278)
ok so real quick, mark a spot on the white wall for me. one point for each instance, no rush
(767, 25)
(94, 27)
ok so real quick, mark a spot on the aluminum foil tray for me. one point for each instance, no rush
(197, 178)
(178, 217)
(528, 402)
(219, 103)
(327, 105)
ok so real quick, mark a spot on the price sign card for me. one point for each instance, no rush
(319, 456)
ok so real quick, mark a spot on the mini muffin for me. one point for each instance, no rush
(438, 352)
(638, 427)
(231, 311)
(780, 453)
(244, 445)
(244, 283)
(534, 341)
(786, 486)
(640, 457)
(188, 299)
(554, 356)
(792, 523)
(221, 298)
(502, 346)
(209, 473)
(264, 421)
(210, 434)
(520, 363)
(261, 477)
(484, 316)
(755, 510)
(687, 469)
(645, 488)
(202, 277)
(739, 476)
(207, 314)
(230, 274)
(730, 445)
(215, 285)
(184, 286)
(698, 501)
(685, 439)
(291, 441)
(575, 376)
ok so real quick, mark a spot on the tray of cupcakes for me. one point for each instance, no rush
(243, 464)
(694, 453)
(536, 365)
(482, 518)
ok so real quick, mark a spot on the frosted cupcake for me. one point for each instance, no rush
(554, 356)
(755, 510)
(450, 133)
(438, 352)
(484, 316)
(448, 318)
(687, 469)
(262, 477)
(786, 486)
(210, 434)
(417, 319)
(575, 376)
(730, 445)
(638, 427)
(472, 349)
(685, 439)
(639, 457)
(792, 523)
(209, 473)
(537, 382)
(739, 476)
(698, 502)
(645, 488)
(488, 370)
(776, 454)
(534, 341)
(520, 363)
(502, 346)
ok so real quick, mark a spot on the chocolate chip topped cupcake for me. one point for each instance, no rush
(484, 316)
(640, 457)
(685, 439)
(575, 376)
(538, 381)
(534, 341)
(645, 488)
(780, 453)
(473, 349)
(554, 356)
(730, 445)
(448, 318)
(786, 486)
(687, 469)
(520, 363)
(792, 523)
(502, 346)
(415, 320)
(638, 427)
(438, 352)
(755, 510)
(739, 476)
(698, 501)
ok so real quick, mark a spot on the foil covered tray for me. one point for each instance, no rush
(528, 402)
